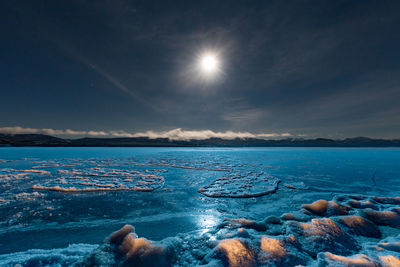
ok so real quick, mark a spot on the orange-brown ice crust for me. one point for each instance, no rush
(325, 208)
(236, 253)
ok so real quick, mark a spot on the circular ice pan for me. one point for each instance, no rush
(238, 185)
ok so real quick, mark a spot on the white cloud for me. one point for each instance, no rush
(179, 134)
(21, 130)
(175, 134)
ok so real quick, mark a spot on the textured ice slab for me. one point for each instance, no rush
(241, 185)
(99, 179)
(85, 175)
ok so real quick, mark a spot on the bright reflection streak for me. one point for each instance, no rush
(206, 222)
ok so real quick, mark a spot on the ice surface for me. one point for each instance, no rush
(316, 217)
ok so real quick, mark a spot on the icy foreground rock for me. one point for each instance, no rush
(359, 238)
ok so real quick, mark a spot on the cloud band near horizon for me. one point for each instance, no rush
(174, 134)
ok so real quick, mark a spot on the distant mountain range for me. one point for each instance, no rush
(51, 141)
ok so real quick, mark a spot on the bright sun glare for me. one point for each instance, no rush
(209, 63)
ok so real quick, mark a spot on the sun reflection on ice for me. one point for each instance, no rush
(206, 222)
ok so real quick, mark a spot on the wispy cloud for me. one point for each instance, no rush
(21, 130)
(175, 134)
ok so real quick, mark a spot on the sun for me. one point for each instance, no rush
(209, 63)
(206, 68)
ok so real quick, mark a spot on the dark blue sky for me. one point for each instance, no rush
(307, 68)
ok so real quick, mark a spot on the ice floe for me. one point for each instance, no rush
(240, 185)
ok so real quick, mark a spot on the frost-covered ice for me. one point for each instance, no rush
(189, 207)
(100, 179)
(241, 185)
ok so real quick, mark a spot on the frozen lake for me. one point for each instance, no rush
(53, 197)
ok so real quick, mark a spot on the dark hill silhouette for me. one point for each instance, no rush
(46, 140)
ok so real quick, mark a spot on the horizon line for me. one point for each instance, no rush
(176, 134)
